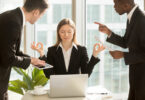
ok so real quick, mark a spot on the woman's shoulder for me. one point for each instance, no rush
(81, 47)
(52, 48)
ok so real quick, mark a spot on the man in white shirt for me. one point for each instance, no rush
(134, 40)
(11, 25)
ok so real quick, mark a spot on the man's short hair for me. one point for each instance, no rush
(131, 2)
(31, 5)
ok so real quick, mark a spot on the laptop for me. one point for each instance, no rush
(73, 85)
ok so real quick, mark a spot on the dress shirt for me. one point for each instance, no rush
(129, 15)
(24, 20)
(67, 54)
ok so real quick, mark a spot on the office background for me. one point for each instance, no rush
(112, 74)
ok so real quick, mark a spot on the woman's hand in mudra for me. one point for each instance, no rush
(97, 49)
(38, 47)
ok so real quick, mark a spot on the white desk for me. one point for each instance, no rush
(88, 97)
(46, 97)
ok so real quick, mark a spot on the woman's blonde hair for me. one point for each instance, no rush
(66, 21)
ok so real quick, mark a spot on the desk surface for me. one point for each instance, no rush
(46, 97)
(93, 96)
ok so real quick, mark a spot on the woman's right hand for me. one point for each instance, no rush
(37, 48)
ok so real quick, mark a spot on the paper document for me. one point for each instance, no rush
(98, 90)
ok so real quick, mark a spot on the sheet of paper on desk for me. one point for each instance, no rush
(97, 90)
(47, 66)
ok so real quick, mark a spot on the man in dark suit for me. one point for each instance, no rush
(11, 25)
(134, 40)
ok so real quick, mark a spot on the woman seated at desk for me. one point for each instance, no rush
(66, 56)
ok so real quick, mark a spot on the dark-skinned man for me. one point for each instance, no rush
(134, 40)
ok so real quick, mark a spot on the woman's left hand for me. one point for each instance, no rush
(97, 49)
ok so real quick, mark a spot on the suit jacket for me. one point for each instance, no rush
(10, 38)
(79, 61)
(134, 39)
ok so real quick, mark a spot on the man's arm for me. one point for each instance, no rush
(8, 53)
(20, 53)
(137, 53)
(11, 34)
(117, 40)
(112, 38)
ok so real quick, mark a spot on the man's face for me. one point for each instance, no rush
(119, 7)
(36, 15)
